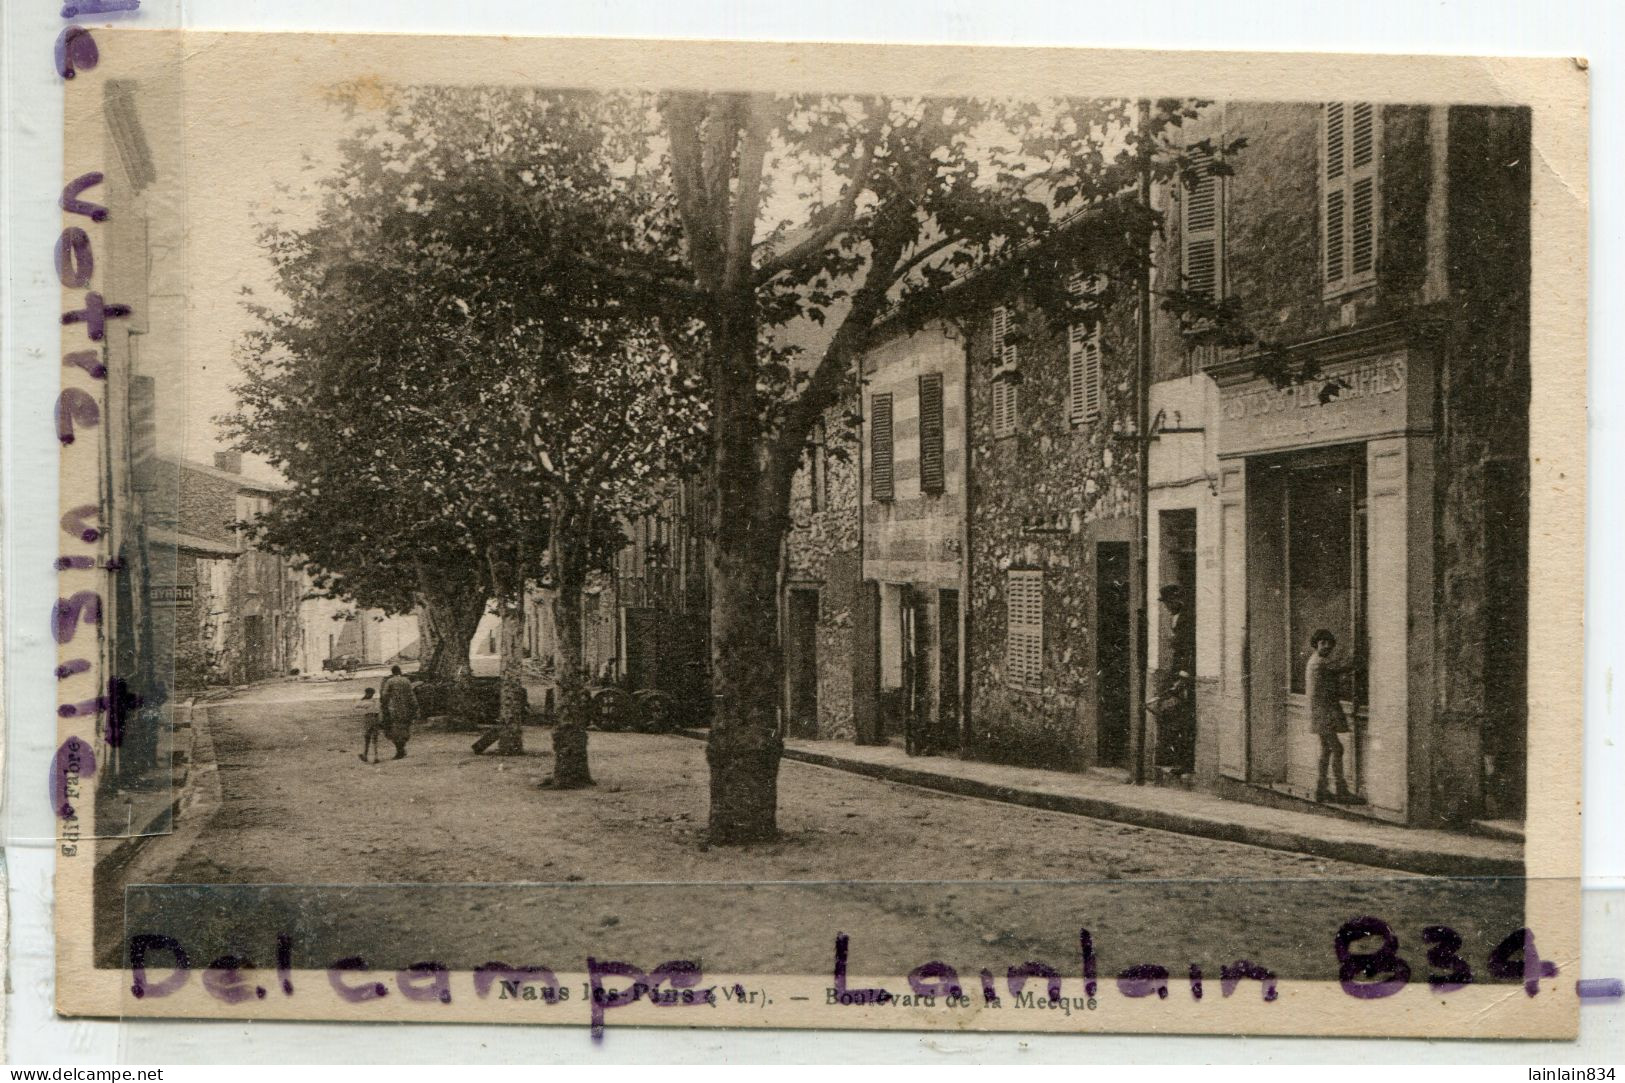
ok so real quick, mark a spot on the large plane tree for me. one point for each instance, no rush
(439, 369)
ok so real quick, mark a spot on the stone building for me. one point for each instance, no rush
(1363, 465)
(239, 607)
(822, 580)
(1052, 527)
(909, 628)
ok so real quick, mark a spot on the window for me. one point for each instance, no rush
(1024, 630)
(1004, 383)
(1349, 194)
(1201, 229)
(1083, 358)
(932, 478)
(880, 447)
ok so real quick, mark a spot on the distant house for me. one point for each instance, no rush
(233, 610)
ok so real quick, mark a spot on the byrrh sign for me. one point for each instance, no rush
(1349, 399)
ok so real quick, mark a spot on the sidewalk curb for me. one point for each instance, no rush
(1414, 859)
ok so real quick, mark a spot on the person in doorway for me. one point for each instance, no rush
(1323, 687)
(1176, 706)
(400, 709)
(372, 722)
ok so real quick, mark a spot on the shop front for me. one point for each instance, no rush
(1326, 525)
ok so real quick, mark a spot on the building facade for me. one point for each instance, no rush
(822, 582)
(1053, 532)
(909, 664)
(1363, 466)
(232, 611)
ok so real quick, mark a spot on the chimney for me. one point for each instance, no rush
(229, 461)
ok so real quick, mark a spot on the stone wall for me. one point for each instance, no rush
(822, 551)
(1042, 499)
(1482, 471)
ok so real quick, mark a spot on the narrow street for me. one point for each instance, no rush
(519, 867)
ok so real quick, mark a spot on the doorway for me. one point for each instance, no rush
(801, 661)
(1113, 680)
(1175, 716)
(950, 729)
(918, 720)
(1306, 561)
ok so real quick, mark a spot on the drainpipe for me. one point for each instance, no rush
(1142, 424)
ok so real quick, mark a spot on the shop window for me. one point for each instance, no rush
(1024, 630)
(1325, 529)
(1349, 196)
(880, 447)
(1083, 357)
(932, 478)
(1005, 359)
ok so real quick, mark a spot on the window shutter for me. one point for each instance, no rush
(1024, 630)
(931, 465)
(1004, 407)
(1200, 231)
(1333, 185)
(1083, 357)
(1004, 391)
(880, 447)
(1004, 353)
(1362, 189)
(1077, 347)
(1349, 193)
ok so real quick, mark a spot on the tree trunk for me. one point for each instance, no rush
(570, 767)
(452, 608)
(744, 745)
(510, 581)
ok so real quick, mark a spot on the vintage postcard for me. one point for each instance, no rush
(611, 533)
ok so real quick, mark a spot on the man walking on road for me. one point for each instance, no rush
(400, 709)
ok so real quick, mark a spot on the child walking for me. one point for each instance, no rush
(372, 723)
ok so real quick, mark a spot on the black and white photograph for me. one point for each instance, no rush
(987, 549)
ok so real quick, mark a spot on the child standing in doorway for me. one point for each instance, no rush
(1322, 683)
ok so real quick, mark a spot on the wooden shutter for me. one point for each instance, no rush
(1005, 360)
(1199, 232)
(1362, 190)
(1083, 359)
(1004, 353)
(931, 466)
(1004, 407)
(1024, 629)
(1349, 193)
(880, 447)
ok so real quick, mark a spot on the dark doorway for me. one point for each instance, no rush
(1173, 682)
(1112, 677)
(801, 661)
(918, 721)
(253, 649)
(950, 729)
